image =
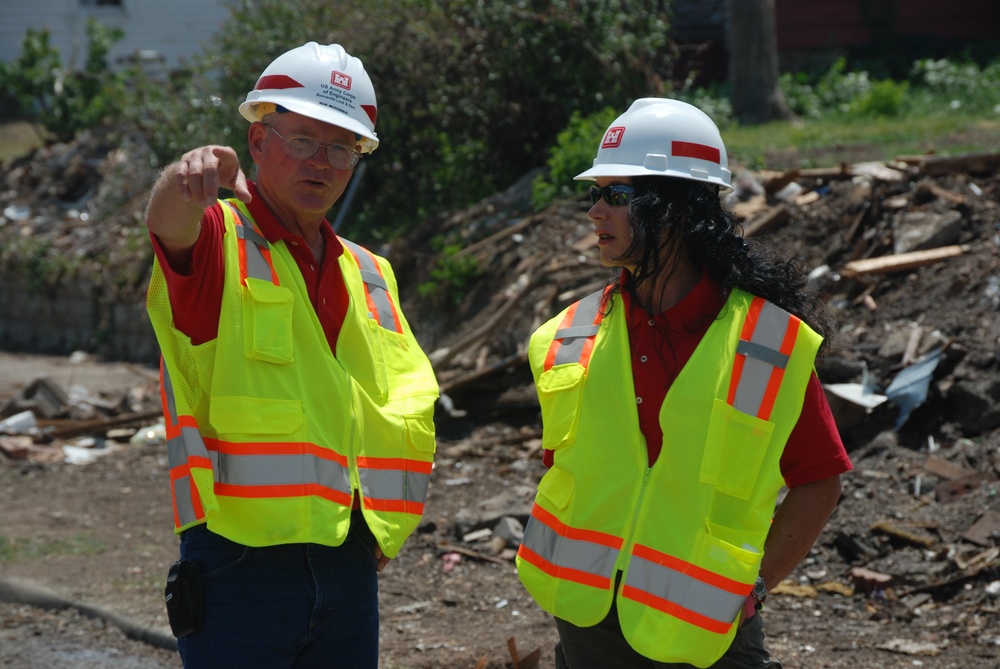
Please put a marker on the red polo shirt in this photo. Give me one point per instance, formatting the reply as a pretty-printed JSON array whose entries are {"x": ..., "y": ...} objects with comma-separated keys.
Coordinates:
[{"x": 661, "y": 345}]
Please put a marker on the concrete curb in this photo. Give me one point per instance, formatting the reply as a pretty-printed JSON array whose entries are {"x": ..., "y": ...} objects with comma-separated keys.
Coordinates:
[{"x": 20, "y": 591}]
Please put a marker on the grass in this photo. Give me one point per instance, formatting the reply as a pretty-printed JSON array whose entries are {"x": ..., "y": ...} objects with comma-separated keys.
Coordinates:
[
  {"x": 19, "y": 138},
  {"x": 34, "y": 548},
  {"x": 830, "y": 141}
]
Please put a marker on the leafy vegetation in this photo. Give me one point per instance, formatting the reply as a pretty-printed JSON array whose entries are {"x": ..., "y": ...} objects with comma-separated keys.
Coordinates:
[
  {"x": 37, "y": 86},
  {"x": 452, "y": 274},
  {"x": 12, "y": 550},
  {"x": 940, "y": 105}
]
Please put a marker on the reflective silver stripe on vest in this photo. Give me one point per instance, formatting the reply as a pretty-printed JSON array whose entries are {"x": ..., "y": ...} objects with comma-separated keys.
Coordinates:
[
  {"x": 581, "y": 328},
  {"x": 763, "y": 354},
  {"x": 257, "y": 266},
  {"x": 393, "y": 484},
  {"x": 279, "y": 470},
  {"x": 188, "y": 443},
  {"x": 685, "y": 591},
  {"x": 375, "y": 285},
  {"x": 581, "y": 555}
]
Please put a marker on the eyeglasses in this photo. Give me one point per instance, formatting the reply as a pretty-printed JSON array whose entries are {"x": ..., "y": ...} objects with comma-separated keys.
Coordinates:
[
  {"x": 616, "y": 195},
  {"x": 340, "y": 156}
]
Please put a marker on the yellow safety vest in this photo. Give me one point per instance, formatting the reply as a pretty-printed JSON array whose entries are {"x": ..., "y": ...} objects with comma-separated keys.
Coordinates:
[
  {"x": 687, "y": 533},
  {"x": 269, "y": 432}
]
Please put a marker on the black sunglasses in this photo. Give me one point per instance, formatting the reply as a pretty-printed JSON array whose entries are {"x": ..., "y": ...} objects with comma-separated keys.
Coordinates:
[{"x": 616, "y": 195}]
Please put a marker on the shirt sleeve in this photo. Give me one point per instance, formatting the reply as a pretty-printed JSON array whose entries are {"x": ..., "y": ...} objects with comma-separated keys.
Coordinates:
[
  {"x": 195, "y": 286},
  {"x": 814, "y": 450}
]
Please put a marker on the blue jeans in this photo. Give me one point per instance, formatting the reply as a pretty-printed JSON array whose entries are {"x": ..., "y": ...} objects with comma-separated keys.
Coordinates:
[{"x": 293, "y": 606}]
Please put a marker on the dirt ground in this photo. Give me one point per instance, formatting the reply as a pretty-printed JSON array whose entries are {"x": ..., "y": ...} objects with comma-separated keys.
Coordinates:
[{"x": 906, "y": 574}]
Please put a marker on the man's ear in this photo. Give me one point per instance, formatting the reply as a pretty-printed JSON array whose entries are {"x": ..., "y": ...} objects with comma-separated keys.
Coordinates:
[{"x": 256, "y": 134}]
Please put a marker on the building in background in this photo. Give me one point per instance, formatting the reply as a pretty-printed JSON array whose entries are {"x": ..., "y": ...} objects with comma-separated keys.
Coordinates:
[{"x": 158, "y": 33}]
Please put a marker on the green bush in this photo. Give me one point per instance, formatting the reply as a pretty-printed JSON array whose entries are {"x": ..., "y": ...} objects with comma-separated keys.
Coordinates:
[
  {"x": 933, "y": 86},
  {"x": 36, "y": 85},
  {"x": 451, "y": 276},
  {"x": 950, "y": 85},
  {"x": 884, "y": 99}
]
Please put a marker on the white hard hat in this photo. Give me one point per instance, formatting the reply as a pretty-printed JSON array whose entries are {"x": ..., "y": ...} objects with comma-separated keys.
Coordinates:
[
  {"x": 662, "y": 137},
  {"x": 322, "y": 82}
]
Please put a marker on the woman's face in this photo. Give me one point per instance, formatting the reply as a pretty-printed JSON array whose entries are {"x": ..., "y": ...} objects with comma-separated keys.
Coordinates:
[{"x": 614, "y": 234}]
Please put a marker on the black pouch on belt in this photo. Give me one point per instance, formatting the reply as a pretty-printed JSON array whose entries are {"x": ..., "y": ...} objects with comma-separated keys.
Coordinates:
[{"x": 182, "y": 596}]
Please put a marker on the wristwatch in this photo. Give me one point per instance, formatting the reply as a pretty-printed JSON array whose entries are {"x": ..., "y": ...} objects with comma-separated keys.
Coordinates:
[{"x": 759, "y": 592}]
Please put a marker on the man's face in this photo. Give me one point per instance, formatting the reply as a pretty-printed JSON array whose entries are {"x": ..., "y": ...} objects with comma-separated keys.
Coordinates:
[{"x": 304, "y": 188}]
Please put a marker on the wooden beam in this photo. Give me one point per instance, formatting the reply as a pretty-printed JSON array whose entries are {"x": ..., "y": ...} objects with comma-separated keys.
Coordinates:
[{"x": 901, "y": 261}]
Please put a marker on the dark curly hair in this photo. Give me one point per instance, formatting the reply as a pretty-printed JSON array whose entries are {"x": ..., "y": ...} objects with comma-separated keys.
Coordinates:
[{"x": 671, "y": 216}]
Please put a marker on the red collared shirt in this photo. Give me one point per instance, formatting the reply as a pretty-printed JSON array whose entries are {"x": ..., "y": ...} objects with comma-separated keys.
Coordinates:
[{"x": 661, "y": 345}]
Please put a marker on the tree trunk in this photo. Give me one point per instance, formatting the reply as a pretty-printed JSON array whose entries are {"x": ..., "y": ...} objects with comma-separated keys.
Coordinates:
[{"x": 753, "y": 63}]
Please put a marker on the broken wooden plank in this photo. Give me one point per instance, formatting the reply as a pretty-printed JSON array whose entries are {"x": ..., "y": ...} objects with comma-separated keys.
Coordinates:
[
  {"x": 938, "y": 466},
  {"x": 975, "y": 163},
  {"x": 984, "y": 529},
  {"x": 497, "y": 236},
  {"x": 896, "y": 532},
  {"x": 101, "y": 424},
  {"x": 901, "y": 261},
  {"x": 843, "y": 171},
  {"x": 931, "y": 190}
]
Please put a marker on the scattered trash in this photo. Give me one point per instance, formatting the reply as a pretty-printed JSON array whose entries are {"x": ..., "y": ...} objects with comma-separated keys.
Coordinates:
[
  {"x": 909, "y": 647},
  {"x": 909, "y": 389},
  {"x": 20, "y": 423}
]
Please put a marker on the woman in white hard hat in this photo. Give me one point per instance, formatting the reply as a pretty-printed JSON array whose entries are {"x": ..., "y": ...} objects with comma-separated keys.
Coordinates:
[
  {"x": 298, "y": 465},
  {"x": 676, "y": 404}
]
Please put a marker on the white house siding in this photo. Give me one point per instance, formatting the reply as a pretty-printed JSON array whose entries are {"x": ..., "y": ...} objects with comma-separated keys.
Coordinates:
[{"x": 174, "y": 29}]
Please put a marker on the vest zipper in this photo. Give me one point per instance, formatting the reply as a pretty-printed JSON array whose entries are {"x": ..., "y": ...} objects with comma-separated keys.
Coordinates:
[{"x": 626, "y": 550}]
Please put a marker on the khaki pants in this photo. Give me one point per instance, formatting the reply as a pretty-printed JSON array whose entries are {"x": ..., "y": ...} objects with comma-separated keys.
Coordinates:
[{"x": 604, "y": 647}]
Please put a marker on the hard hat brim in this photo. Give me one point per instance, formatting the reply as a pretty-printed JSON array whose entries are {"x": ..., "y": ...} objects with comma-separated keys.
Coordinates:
[
  {"x": 620, "y": 170},
  {"x": 369, "y": 140}
]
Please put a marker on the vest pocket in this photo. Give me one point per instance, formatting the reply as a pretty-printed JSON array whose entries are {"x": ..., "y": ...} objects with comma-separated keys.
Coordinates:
[
  {"x": 252, "y": 415},
  {"x": 557, "y": 487},
  {"x": 735, "y": 449},
  {"x": 420, "y": 434},
  {"x": 267, "y": 322},
  {"x": 719, "y": 553},
  {"x": 560, "y": 391}
]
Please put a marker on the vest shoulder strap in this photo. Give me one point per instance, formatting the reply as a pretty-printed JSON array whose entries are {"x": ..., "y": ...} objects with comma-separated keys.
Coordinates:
[
  {"x": 255, "y": 256},
  {"x": 381, "y": 305},
  {"x": 574, "y": 339}
]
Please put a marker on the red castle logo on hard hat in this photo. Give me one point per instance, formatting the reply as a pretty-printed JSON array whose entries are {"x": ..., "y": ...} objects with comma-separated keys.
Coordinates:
[
  {"x": 613, "y": 137},
  {"x": 340, "y": 79}
]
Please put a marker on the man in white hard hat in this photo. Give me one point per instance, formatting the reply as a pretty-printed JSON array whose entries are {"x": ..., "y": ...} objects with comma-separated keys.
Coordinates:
[
  {"x": 676, "y": 403},
  {"x": 298, "y": 404}
]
